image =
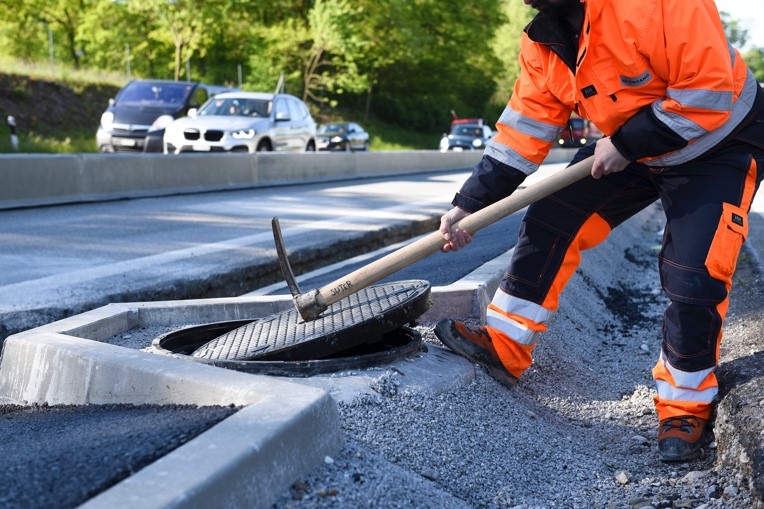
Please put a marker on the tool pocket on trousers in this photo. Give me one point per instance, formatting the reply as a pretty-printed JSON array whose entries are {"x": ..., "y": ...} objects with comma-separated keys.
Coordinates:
[{"x": 728, "y": 239}]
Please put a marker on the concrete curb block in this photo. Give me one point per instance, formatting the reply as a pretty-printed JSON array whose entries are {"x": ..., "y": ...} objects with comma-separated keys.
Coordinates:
[{"x": 246, "y": 461}]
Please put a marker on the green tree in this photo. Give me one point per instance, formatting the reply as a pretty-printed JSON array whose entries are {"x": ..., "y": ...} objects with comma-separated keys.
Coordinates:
[
  {"x": 444, "y": 62},
  {"x": 736, "y": 34},
  {"x": 755, "y": 60},
  {"x": 64, "y": 17},
  {"x": 506, "y": 45},
  {"x": 183, "y": 23},
  {"x": 334, "y": 45}
]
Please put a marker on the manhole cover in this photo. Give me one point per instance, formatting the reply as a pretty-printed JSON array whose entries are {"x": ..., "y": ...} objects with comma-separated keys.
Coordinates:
[
  {"x": 363, "y": 317},
  {"x": 395, "y": 345}
]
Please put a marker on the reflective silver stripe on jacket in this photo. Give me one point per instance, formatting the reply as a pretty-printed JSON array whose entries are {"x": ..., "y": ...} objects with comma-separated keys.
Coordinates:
[
  {"x": 506, "y": 155},
  {"x": 704, "y": 140},
  {"x": 706, "y": 99},
  {"x": 529, "y": 126}
]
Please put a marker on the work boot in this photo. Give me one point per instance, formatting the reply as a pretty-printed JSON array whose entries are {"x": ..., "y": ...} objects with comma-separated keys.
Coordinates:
[
  {"x": 475, "y": 345},
  {"x": 680, "y": 438}
]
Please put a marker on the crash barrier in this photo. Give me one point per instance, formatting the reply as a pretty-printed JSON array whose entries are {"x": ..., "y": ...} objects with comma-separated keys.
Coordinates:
[{"x": 29, "y": 180}]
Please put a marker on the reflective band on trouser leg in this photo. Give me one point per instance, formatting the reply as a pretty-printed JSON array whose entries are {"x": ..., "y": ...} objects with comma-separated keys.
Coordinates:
[
  {"x": 512, "y": 323},
  {"x": 683, "y": 393}
]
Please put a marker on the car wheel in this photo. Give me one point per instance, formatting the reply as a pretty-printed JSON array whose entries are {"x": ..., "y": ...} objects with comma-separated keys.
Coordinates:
[
  {"x": 264, "y": 146},
  {"x": 311, "y": 147},
  {"x": 366, "y": 145},
  {"x": 347, "y": 147}
]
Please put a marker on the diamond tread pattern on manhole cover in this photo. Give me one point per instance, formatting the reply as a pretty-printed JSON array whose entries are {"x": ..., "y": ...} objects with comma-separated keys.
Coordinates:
[{"x": 345, "y": 323}]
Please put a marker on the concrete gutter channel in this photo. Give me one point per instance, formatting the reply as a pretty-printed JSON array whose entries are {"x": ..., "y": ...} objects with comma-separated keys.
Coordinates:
[{"x": 285, "y": 427}]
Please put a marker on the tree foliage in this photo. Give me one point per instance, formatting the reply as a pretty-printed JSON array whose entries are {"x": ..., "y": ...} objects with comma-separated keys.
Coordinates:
[{"x": 408, "y": 62}]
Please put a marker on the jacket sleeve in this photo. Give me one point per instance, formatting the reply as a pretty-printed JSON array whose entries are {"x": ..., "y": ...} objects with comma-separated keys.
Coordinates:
[
  {"x": 490, "y": 182},
  {"x": 534, "y": 118},
  {"x": 530, "y": 124},
  {"x": 699, "y": 65}
]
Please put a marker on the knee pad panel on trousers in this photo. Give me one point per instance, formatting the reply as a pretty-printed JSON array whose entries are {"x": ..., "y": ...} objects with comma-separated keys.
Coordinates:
[
  {"x": 538, "y": 255},
  {"x": 690, "y": 336},
  {"x": 691, "y": 285}
]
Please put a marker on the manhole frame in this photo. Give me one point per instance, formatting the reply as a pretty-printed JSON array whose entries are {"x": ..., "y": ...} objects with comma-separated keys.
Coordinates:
[{"x": 408, "y": 347}]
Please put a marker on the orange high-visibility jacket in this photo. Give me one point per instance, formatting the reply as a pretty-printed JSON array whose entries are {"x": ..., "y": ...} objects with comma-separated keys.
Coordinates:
[{"x": 657, "y": 76}]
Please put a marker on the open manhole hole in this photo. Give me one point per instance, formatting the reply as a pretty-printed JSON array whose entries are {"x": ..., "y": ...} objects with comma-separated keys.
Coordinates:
[{"x": 395, "y": 345}]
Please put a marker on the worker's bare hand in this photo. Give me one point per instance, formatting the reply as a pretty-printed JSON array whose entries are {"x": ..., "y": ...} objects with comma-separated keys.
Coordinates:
[
  {"x": 455, "y": 237},
  {"x": 607, "y": 159}
]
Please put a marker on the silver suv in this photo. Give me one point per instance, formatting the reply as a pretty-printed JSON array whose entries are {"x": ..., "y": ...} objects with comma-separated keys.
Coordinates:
[{"x": 244, "y": 122}]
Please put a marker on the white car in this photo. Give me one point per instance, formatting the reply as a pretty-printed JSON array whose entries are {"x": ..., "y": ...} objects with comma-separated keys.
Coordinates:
[{"x": 244, "y": 122}]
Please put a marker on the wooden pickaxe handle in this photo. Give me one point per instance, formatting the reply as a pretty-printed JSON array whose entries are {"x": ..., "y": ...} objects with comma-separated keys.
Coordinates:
[{"x": 312, "y": 303}]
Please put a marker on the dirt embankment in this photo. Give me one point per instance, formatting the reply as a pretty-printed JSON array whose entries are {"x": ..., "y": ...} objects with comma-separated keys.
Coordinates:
[{"x": 51, "y": 107}]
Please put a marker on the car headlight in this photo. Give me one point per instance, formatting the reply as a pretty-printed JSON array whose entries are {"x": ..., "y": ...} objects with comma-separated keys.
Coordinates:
[
  {"x": 161, "y": 122},
  {"x": 477, "y": 142},
  {"x": 107, "y": 119},
  {"x": 444, "y": 143},
  {"x": 337, "y": 139},
  {"x": 243, "y": 134}
]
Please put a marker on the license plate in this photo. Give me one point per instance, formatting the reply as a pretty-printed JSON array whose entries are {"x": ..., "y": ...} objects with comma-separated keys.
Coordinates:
[
  {"x": 126, "y": 142},
  {"x": 201, "y": 148}
]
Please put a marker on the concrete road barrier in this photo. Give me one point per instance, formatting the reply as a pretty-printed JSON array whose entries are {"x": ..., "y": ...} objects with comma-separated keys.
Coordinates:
[{"x": 30, "y": 180}]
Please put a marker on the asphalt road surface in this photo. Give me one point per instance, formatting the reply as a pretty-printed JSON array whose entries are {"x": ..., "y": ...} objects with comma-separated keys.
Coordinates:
[{"x": 60, "y": 261}]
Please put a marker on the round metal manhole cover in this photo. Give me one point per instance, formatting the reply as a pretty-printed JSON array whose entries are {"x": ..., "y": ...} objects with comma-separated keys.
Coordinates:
[
  {"x": 361, "y": 318},
  {"x": 395, "y": 345}
]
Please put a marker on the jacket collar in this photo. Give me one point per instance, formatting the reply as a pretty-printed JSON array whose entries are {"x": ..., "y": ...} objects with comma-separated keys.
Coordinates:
[{"x": 558, "y": 36}]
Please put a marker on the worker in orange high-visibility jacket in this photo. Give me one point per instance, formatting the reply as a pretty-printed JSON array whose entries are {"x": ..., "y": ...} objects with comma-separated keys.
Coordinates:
[{"x": 683, "y": 123}]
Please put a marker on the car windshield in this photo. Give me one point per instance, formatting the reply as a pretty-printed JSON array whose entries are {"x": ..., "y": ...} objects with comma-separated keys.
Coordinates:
[
  {"x": 331, "y": 129},
  {"x": 236, "y": 107},
  {"x": 467, "y": 130},
  {"x": 141, "y": 93}
]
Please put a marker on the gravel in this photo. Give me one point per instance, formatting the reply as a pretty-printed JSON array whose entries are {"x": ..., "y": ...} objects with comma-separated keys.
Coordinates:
[{"x": 578, "y": 431}]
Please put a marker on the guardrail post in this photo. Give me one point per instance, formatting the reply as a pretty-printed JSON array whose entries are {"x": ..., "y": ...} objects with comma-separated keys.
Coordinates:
[{"x": 12, "y": 128}]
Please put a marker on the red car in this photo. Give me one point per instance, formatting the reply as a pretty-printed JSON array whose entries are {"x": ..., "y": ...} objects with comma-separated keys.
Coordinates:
[{"x": 575, "y": 133}]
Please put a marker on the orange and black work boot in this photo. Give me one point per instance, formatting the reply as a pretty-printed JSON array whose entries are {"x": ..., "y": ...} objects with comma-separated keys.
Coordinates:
[
  {"x": 476, "y": 345},
  {"x": 680, "y": 438}
]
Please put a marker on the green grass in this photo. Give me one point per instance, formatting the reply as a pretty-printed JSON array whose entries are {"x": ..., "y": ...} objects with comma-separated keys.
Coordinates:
[
  {"x": 75, "y": 143},
  {"x": 387, "y": 137},
  {"x": 62, "y": 74}
]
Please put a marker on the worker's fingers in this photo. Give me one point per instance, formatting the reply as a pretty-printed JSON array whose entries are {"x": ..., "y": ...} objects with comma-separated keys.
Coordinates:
[
  {"x": 459, "y": 239},
  {"x": 455, "y": 237},
  {"x": 607, "y": 159}
]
